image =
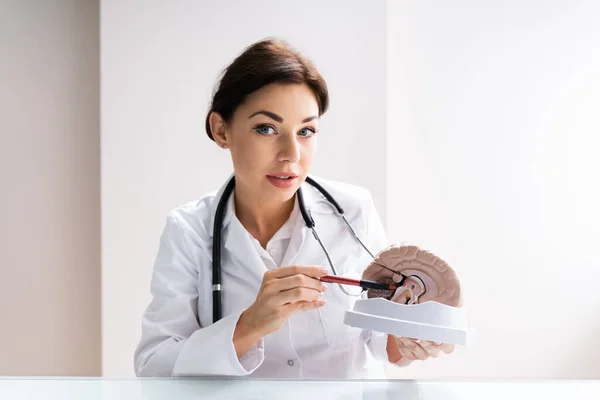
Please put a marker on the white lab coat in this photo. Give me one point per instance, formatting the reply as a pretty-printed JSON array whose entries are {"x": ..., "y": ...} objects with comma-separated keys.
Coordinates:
[{"x": 178, "y": 334}]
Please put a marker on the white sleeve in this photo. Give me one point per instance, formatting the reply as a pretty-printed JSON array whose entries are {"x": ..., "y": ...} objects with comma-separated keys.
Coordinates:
[
  {"x": 375, "y": 239},
  {"x": 173, "y": 342}
]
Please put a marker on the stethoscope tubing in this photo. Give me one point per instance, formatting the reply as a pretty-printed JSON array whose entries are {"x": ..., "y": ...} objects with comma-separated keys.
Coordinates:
[{"x": 308, "y": 220}]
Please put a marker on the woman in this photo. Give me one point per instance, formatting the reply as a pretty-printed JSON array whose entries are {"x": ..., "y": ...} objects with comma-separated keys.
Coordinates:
[{"x": 279, "y": 320}]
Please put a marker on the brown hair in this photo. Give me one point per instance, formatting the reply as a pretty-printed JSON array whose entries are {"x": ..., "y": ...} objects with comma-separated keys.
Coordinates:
[{"x": 267, "y": 61}]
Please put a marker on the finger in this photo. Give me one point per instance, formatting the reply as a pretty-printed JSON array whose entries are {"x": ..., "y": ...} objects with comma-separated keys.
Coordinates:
[
  {"x": 295, "y": 295},
  {"x": 407, "y": 354},
  {"x": 447, "y": 348},
  {"x": 297, "y": 281},
  {"x": 308, "y": 270},
  {"x": 434, "y": 352},
  {"x": 431, "y": 348},
  {"x": 406, "y": 342},
  {"x": 426, "y": 344},
  {"x": 412, "y": 345},
  {"x": 420, "y": 352},
  {"x": 304, "y": 306}
]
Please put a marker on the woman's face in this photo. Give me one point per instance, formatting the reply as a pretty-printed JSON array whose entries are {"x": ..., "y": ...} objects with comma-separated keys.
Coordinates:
[{"x": 272, "y": 135}]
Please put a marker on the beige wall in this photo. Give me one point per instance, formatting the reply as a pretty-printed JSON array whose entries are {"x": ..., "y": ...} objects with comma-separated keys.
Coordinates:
[{"x": 50, "y": 188}]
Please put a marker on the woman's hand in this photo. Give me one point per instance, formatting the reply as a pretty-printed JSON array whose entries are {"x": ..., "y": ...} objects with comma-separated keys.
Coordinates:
[
  {"x": 415, "y": 349},
  {"x": 284, "y": 292}
]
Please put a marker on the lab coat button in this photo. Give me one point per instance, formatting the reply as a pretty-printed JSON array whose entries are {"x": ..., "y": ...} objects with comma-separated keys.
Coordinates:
[
  {"x": 273, "y": 252},
  {"x": 290, "y": 362}
]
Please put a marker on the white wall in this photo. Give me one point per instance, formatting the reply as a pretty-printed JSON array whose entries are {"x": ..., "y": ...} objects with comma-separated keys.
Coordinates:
[
  {"x": 160, "y": 61},
  {"x": 493, "y": 163},
  {"x": 50, "y": 196},
  {"x": 488, "y": 115}
]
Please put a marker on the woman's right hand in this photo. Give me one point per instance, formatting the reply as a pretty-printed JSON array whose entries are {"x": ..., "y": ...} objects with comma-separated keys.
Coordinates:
[{"x": 284, "y": 292}]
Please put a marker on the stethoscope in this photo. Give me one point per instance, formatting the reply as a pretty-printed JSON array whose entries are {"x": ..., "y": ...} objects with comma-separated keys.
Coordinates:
[{"x": 308, "y": 220}]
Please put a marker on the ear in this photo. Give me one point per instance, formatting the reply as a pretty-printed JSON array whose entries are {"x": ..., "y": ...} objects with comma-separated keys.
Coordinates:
[{"x": 218, "y": 128}]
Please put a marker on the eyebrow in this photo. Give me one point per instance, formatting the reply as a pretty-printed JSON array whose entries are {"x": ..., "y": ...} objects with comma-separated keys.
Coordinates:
[{"x": 278, "y": 118}]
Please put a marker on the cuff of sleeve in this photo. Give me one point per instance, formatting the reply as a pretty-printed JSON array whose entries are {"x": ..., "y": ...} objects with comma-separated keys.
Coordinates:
[
  {"x": 254, "y": 357},
  {"x": 210, "y": 351},
  {"x": 378, "y": 346}
]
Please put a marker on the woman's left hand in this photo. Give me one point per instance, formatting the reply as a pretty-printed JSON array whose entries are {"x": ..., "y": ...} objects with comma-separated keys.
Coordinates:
[{"x": 416, "y": 349}]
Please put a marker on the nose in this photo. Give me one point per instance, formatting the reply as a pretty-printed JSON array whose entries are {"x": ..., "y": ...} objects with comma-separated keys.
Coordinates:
[{"x": 289, "y": 149}]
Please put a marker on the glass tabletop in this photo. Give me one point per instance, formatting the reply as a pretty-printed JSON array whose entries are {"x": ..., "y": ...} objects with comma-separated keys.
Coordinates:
[{"x": 175, "y": 389}]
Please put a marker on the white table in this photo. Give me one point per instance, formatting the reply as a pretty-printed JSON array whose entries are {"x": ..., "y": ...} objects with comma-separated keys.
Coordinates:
[{"x": 12, "y": 388}]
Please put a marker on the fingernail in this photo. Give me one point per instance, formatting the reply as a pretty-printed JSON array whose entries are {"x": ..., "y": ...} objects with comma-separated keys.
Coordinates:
[
  {"x": 324, "y": 271},
  {"x": 322, "y": 302},
  {"x": 324, "y": 287}
]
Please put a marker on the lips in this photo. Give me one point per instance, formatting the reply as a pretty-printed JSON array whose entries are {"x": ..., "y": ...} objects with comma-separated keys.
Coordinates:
[
  {"x": 282, "y": 180},
  {"x": 283, "y": 175}
]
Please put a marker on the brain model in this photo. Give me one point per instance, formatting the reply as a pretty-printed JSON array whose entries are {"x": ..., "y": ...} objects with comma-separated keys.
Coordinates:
[{"x": 419, "y": 275}]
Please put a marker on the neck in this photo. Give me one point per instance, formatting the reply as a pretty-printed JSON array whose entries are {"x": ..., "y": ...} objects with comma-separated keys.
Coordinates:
[{"x": 261, "y": 219}]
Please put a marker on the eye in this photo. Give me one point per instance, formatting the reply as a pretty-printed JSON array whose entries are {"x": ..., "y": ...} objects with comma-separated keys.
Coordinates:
[
  {"x": 306, "y": 132},
  {"x": 265, "y": 129}
]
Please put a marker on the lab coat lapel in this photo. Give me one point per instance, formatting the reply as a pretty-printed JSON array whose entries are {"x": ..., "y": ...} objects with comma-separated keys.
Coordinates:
[
  {"x": 239, "y": 249},
  {"x": 245, "y": 259},
  {"x": 301, "y": 249},
  {"x": 296, "y": 242}
]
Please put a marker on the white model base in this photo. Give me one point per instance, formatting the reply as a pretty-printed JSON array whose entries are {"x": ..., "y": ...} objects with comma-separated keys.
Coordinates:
[{"x": 427, "y": 321}]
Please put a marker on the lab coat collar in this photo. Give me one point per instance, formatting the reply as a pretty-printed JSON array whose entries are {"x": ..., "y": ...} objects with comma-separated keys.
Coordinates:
[
  {"x": 238, "y": 242},
  {"x": 314, "y": 201}
]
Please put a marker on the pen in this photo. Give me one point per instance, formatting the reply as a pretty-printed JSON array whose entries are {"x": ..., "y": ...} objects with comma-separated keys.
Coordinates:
[{"x": 355, "y": 282}]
